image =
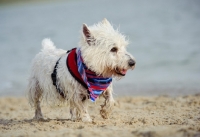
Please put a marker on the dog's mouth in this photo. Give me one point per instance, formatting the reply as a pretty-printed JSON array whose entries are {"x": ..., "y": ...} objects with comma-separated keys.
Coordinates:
[{"x": 121, "y": 72}]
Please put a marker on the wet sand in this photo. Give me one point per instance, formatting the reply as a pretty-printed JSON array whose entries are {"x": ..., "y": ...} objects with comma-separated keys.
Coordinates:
[{"x": 160, "y": 116}]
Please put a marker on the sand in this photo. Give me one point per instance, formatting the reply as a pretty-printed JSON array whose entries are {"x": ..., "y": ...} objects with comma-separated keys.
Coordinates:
[{"x": 161, "y": 116}]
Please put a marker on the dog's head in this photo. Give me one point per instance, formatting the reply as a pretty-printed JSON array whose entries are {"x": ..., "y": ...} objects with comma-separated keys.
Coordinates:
[{"x": 104, "y": 50}]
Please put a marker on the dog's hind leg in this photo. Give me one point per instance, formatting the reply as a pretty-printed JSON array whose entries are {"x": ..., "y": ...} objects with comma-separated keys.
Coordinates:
[
  {"x": 107, "y": 107},
  {"x": 38, "y": 95},
  {"x": 35, "y": 95}
]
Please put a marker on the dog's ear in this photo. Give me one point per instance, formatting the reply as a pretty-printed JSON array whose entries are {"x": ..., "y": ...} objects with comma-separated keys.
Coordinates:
[
  {"x": 88, "y": 36},
  {"x": 105, "y": 21}
]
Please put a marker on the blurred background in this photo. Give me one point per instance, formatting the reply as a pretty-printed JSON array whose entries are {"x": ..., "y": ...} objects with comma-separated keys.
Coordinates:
[{"x": 164, "y": 38}]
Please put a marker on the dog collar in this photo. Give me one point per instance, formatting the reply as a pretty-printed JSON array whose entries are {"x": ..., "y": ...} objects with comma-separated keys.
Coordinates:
[{"x": 95, "y": 84}]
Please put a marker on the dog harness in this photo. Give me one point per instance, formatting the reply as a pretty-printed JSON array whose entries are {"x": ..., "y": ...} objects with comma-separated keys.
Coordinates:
[
  {"x": 95, "y": 84},
  {"x": 54, "y": 79}
]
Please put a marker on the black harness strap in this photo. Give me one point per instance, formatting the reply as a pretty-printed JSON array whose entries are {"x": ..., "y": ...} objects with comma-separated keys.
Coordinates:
[
  {"x": 54, "y": 74},
  {"x": 54, "y": 79}
]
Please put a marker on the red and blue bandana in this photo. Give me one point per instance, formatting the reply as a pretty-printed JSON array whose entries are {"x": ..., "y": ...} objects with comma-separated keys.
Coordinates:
[{"x": 95, "y": 84}]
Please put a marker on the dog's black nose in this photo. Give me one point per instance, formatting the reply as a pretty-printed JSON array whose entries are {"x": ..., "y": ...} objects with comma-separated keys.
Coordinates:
[{"x": 131, "y": 62}]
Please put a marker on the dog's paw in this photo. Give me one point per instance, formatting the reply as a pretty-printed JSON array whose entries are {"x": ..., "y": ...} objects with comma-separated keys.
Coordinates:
[
  {"x": 38, "y": 118},
  {"x": 107, "y": 108},
  {"x": 104, "y": 113}
]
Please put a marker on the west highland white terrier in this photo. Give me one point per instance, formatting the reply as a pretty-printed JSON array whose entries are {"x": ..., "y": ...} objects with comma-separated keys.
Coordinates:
[{"x": 81, "y": 74}]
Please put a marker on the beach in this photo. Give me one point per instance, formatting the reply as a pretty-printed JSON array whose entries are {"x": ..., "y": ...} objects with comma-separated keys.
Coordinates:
[
  {"x": 159, "y": 98},
  {"x": 158, "y": 116}
]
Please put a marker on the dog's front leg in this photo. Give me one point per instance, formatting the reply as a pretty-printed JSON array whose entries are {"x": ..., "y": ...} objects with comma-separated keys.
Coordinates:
[
  {"x": 107, "y": 107},
  {"x": 78, "y": 108},
  {"x": 73, "y": 111},
  {"x": 84, "y": 112}
]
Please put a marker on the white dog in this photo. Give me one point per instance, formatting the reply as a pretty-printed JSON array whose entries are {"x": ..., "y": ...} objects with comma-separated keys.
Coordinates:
[{"x": 82, "y": 73}]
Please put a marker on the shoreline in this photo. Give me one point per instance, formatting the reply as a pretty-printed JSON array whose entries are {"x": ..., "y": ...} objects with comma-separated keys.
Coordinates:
[
  {"x": 127, "y": 89},
  {"x": 156, "y": 116}
]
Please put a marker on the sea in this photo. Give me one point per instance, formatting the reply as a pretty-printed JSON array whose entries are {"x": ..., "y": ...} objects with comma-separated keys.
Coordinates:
[{"x": 164, "y": 38}]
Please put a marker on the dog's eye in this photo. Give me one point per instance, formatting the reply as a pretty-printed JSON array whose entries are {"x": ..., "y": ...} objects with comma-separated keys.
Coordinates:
[{"x": 114, "y": 49}]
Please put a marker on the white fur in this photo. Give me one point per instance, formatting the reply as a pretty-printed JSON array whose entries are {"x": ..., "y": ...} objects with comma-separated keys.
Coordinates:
[{"x": 96, "y": 44}]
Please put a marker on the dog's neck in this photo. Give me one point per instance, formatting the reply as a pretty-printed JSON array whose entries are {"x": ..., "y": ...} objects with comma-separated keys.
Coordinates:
[
  {"x": 95, "y": 84},
  {"x": 93, "y": 64}
]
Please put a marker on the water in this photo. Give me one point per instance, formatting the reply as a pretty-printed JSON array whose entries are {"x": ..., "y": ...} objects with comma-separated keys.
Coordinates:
[{"x": 164, "y": 36}]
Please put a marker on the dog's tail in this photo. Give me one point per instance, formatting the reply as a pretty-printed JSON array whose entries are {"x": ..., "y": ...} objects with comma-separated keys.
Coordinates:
[{"x": 47, "y": 44}]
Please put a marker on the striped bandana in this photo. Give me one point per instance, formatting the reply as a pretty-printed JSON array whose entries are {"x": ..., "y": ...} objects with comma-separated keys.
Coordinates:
[{"x": 96, "y": 84}]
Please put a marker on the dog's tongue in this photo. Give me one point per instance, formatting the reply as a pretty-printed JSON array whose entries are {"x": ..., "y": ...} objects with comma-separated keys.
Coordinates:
[{"x": 123, "y": 71}]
